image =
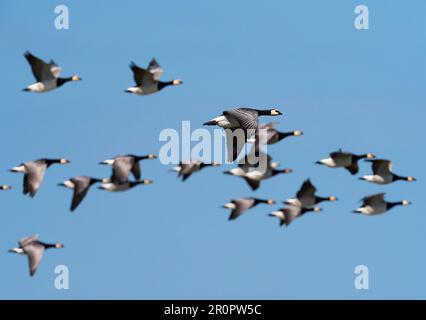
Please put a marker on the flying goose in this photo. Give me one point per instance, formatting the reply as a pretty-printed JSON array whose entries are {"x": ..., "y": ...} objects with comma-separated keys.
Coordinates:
[
  {"x": 245, "y": 119},
  {"x": 347, "y": 160},
  {"x": 148, "y": 80},
  {"x": 239, "y": 206},
  {"x": 376, "y": 204},
  {"x": 306, "y": 198},
  {"x": 46, "y": 74},
  {"x": 382, "y": 173},
  {"x": 5, "y": 187},
  {"x": 34, "y": 172},
  {"x": 253, "y": 172},
  {"x": 186, "y": 169},
  {"x": 80, "y": 185},
  {"x": 268, "y": 134},
  {"x": 34, "y": 249},
  {"x": 287, "y": 215},
  {"x": 123, "y": 165},
  {"x": 116, "y": 187}
]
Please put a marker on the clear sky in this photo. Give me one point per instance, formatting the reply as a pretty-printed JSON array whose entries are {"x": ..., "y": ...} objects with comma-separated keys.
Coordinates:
[{"x": 363, "y": 91}]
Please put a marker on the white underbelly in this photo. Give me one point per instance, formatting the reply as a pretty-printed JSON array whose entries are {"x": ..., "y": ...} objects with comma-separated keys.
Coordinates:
[{"x": 43, "y": 86}]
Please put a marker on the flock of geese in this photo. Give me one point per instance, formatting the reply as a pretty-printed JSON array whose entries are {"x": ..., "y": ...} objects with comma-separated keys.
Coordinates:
[{"x": 254, "y": 167}]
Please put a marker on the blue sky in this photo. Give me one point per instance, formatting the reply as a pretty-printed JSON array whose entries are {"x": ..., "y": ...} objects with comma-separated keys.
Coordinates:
[{"x": 359, "y": 90}]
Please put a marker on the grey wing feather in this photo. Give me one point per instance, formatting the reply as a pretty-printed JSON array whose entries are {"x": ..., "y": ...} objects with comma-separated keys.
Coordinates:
[
  {"x": 34, "y": 251},
  {"x": 155, "y": 69},
  {"x": 120, "y": 170},
  {"x": 247, "y": 118},
  {"x": 27, "y": 240},
  {"x": 242, "y": 205},
  {"x": 42, "y": 71},
  {"x": 34, "y": 177},
  {"x": 307, "y": 190},
  {"x": 375, "y": 198},
  {"x": 381, "y": 166},
  {"x": 81, "y": 187},
  {"x": 136, "y": 170},
  {"x": 141, "y": 76}
]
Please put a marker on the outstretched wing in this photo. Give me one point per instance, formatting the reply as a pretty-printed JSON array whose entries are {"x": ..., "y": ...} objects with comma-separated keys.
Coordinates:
[
  {"x": 42, "y": 71},
  {"x": 241, "y": 206},
  {"x": 373, "y": 199},
  {"x": 306, "y": 190},
  {"x": 353, "y": 168},
  {"x": 155, "y": 69},
  {"x": 34, "y": 251},
  {"x": 81, "y": 187},
  {"x": 120, "y": 170},
  {"x": 141, "y": 76},
  {"x": 381, "y": 167}
]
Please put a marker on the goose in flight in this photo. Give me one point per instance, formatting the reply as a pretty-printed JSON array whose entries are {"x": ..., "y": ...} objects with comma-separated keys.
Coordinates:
[
  {"x": 122, "y": 166},
  {"x": 376, "y": 204},
  {"x": 80, "y": 185},
  {"x": 148, "y": 80},
  {"x": 46, "y": 75},
  {"x": 253, "y": 172},
  {"x": 306, "y": 198},
  {"x": 382, "y": 173},
  {"x": 347, "y": 160},
  {"x": 240, "y": 125},
  {"x": 34, "y": 249},
  {"x": 239, "y": 206},
  {"x": 34, "y": 173},
  {"x": 5, "y": 187},
  {"x": 110, "y": 185},
  {"x": 186, "y": 169},
  {"x": 287, "y": 215}
]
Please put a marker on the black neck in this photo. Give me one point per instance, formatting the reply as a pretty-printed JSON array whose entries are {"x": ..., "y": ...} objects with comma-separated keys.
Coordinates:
[
  {"x": 139, "y": 158},
  {"x": 264, "y": 112},
  {"x": 94, "y": 180},
  {"x": 257, "y": 201},
  {"x": 357, "y": 157},
  {"x": 48, "y": 245},
  {"x": 162, "y": 84},
  {"x": 396, "y": 178},
  {"x": 275, "y": 172},
  {"x": 203, "y": 165},
  {"x": 61, "y": 81},
  {"x": 49, "y": 162},
  {"x": 282, "y": 135},
  {"x": 390, "y": 205},
  {"x": 319, "y": 199}
]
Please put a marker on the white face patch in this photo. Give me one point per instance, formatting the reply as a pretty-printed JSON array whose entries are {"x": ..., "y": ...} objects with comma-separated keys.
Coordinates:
[{"x": 406, "y": 202}]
